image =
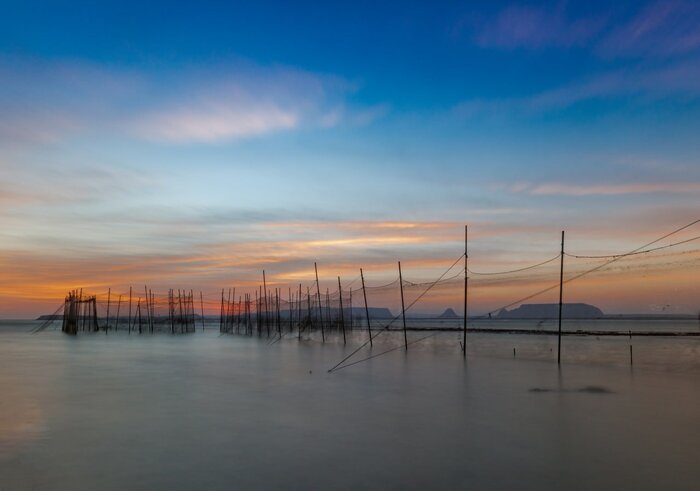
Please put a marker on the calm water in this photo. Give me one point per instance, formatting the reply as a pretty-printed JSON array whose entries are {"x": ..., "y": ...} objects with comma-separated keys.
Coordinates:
[{"x": 205, "y": 411}]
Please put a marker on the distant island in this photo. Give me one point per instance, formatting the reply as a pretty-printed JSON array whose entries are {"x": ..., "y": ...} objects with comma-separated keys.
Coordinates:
[
  {"x": 449, "y": 313},
  {"x": 551, "y": 311}
]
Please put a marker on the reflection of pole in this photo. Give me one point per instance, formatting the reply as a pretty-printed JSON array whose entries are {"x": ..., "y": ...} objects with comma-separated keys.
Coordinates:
[
  {"x": 630, "y": 347},
  {"x": 403, "y": 310},
  {"x": 320, "y": 309},
  {"x": 342, "y": 318},
  {"x": 364, "y": 292},
  {"x": 561, "y": 291}
]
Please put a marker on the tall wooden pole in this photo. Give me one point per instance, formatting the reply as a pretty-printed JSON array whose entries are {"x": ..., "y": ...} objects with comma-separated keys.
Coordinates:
[
  {"x": 403, "y": 310},
  {"x": 201, "y": 304},
  {"x": 308, "y": 304},
  {"x": 350, "y": 305},
  {"x": 119, "y": 306},
  {"x": 464, "y": 330},
  {"x": 129, "y": 310},
  {"x": 229, "y": 310},
  {"x": 342, "y": 317},
  {"x": 109, "y": 295},
  {"x": 278, "y": 295},
  {"x": 299, "y": 313},
  {"x": 221, "y": 312},
  {"x": 561, "y": 291},
  {"x": 364, "y": 292},
  {"x": 320, "y": 308},
  {"x": 148, "y": 311},
  {"x": 171, "y": 313},
  {"x": 290, "y": 307},
  {"x": 266, "y": 306}
]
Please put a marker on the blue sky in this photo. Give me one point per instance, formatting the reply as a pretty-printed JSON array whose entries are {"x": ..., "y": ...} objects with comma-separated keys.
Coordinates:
[{"x": 349, "y": 133}]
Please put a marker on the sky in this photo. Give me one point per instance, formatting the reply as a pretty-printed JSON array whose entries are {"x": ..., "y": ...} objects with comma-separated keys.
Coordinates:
[{"x": 194, "y": 145}]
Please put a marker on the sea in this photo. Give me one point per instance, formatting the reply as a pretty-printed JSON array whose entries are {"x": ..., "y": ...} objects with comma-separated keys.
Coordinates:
[{"x": 213, "y": 411}]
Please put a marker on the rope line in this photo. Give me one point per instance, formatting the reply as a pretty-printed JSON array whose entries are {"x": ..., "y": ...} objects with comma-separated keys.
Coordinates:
[
  {"x": 577, "y": 256},
  {"x": 372, "y": 337},
  {"x": 515, "y": 270}
]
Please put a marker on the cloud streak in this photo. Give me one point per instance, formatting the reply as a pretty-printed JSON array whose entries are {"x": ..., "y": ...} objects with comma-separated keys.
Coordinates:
[
  {"x": 674, "y": 80},
  {"x": 564, "y": 189},
  {"x": 189, "y": 105},
  {"x": 519, "y": 26},
  {"x": 668, "y": 27},
  {"x": 214, "y": 123}
]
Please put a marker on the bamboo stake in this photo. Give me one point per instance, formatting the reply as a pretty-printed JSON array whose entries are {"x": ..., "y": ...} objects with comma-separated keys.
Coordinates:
[
  {"x": 561, "y": 290},
  {"x": 129, "y": 310},
  {"x": 403, "y": 310},
  {"x": 109, "y": 298},
  {"x": 342, "y": 317},
  {"x": 466, "y": 280},
  {"x": 119, "y": 305},
  {"x": 364, "y": 293},
  {"x": 320, "y": 309}
]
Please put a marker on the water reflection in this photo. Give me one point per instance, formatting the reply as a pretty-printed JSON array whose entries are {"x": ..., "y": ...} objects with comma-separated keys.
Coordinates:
[{"x": 210, "y": 412}]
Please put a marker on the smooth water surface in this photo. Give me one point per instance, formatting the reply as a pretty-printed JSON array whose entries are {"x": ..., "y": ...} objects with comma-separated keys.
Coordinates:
[{"x": 205, "y": 411}]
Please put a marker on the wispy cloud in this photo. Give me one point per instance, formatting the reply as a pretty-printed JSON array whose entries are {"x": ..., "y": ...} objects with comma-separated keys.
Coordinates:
[
  {"x": 519, "y": 26},
  {"x": 214, "y": 122},
  {"x": 45, "y": 102},
  {"x": 663, "y": 27},
  {"x": 606, "y": 189},
  {"x": 646, "y": 83},
  {"x": 660, "y": 27}
]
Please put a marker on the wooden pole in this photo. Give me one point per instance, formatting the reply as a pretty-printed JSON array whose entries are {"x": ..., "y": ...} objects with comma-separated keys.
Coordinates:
[
  {"x": 561, "y": 292},
  {"x": 227, "y": 323},
  {"x": 148, "y": 311},
  {"x": 238, "y": 317},
  {"x": 266, "y": 305},
  {"x": 221, "y": 312},
  {"x": 290, "y": 307},
  {"x": 340, "y": 308},
  {"x": 278, "y": 295},
  {"x": 193, "y": 309},
  {"x": 129, "y": 310},
  {"x": 299, "y": 312},
  {"x": 109, "y": 298},
  {"x": 308, "y": 305},
  {"x": 464, "y": 329},
  {"x": 96, "y": 327},
  {"x": 119, "y": 305},
  {"x": 403, "y": 310},
  {"x": 320, "y": 309},
  {"x": 350, "y": 305},
  {"x": 364, "y": 293}
]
